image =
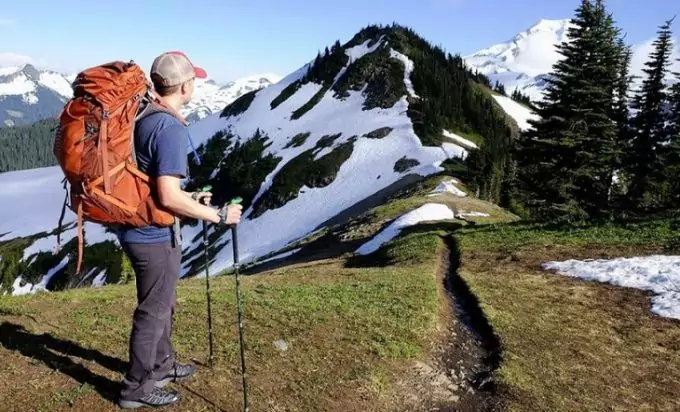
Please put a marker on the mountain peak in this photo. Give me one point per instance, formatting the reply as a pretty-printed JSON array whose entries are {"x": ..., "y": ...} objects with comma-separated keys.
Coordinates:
[
  {"x": 31, "y": 72},
  {"x": 550, "y": 24},
  {"x": 524, "y": 60}
]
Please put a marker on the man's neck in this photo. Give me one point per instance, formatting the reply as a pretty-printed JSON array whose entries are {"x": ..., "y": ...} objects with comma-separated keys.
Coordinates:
[{"x": 172, "y": 101}]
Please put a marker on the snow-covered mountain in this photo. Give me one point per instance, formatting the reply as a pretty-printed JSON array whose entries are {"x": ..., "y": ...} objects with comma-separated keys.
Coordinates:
[
  {"x": 28, "y": 94},
  {"x": 525, "y": 60},
  {"x": 210, "y": 97},
  {"x": 300, "y": 152}
]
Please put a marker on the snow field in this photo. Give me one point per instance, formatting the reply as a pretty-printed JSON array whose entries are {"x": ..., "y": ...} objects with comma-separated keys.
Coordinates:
[{"x": 659, "y": 274}]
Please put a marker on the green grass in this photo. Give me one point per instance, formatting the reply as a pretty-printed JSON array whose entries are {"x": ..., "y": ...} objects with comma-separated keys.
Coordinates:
[
  {"x": 646, "y": 232},
  {"x": 568, "y": 344},
  {"x": 353, "y": 325},
  {"x": 349, "y": 330}
]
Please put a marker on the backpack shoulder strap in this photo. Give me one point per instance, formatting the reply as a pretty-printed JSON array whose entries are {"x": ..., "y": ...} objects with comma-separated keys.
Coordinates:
[{"x": 152, "y": 104}]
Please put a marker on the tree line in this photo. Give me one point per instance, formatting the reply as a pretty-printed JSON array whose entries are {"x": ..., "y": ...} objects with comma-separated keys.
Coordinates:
[
  {"x": 600, "y": 147},
  {"x": 27, "y": 146}
]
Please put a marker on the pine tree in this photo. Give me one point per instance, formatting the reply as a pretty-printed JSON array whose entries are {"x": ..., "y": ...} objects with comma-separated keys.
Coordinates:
[
  {"x": 522, "y": 98},
  {"x": 672, "y": 160},
  {"x": 645, "y": 157},
  {"x": 566, "y": 160},
  {"x": 499, "y": 88},
  {"x": 621, "y": 114}
]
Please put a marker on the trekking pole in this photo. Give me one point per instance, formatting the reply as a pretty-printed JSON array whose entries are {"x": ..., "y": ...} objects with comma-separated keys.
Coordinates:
[
  {"x": 211, "y": 358},
  {"x": 234, "y": 240}
]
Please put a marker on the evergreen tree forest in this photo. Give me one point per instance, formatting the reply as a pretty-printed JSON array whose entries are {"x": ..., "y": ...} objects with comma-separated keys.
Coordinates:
[
  {"x": 27, "y": 146},
  {"x": 606, "y": 145},
  {"x": 520, "y": 97}
]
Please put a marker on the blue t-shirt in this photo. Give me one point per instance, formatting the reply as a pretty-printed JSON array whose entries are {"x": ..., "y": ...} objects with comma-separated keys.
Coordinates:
[{"x": 160, "y": 142}]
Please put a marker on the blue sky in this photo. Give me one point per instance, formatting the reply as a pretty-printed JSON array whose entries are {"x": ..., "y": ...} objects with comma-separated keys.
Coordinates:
[{"x": 233, "y": 38}]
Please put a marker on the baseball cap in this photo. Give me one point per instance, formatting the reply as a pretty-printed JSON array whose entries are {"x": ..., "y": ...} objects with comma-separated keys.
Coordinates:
[{"x": 173, "y": 68}]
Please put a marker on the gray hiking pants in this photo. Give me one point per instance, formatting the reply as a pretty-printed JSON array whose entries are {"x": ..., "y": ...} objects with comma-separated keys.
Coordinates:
[{"x": 157, "y": 270}]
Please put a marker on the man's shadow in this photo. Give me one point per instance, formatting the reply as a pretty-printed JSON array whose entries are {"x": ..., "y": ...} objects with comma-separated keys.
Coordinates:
[{"x": 44, "y": 348}]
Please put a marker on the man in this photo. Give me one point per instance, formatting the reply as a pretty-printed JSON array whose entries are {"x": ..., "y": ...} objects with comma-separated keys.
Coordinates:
[{"x": 155, "y": 252}]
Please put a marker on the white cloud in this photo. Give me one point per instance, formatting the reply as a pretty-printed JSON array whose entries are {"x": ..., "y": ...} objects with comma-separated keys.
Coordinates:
[
  {"x": 13, "y": 59},
  {"x": 641, "y": 52}
]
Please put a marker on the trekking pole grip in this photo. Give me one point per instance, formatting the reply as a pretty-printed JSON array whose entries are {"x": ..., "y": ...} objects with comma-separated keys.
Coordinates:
[{"x": 234, "y": 232}]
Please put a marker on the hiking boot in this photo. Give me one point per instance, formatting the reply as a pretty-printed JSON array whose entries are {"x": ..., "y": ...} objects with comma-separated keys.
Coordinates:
[
  {"x": 156, "y": 399},
  {"x": 178, "y": 373}
]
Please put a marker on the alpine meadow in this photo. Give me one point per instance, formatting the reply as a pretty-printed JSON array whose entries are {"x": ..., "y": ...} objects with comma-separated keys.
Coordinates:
[{"x": 421, "y": 231}]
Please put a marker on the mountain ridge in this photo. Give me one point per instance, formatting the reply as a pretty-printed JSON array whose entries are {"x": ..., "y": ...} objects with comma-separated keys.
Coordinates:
[{"x": 28, "y": 94}]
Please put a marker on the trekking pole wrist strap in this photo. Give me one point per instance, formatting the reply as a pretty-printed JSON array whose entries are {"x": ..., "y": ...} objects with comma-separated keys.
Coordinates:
[{"x": 222, "y": 213}]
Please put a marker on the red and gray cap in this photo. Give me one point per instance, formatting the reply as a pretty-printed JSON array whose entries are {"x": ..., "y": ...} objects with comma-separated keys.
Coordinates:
[{"x": 173, "y": 68}]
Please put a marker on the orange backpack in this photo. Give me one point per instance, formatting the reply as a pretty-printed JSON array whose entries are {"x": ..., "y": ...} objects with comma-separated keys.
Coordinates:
[{"x": 94, "y": 145}]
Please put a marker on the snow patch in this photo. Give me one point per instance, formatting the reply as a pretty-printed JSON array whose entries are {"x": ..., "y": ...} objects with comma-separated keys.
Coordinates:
[
  {"x": 19, "y": 85},
  {"x": 56, "y": 82},
  {"x": 279, "y": 256},
  {"x": 448, "y": 186},
  {"x": 454, "y": 150},
  {"x": 100, "y": 279},
  {"x": 520, "y": 113},
  {"x": 29, "y": 288},
  {"x": 40, "y": 193},
  {"x": 465, "y": 142},
  {"x": 659, "y": 274},
  {"x": 426, "y": 213},
  {"x": 356, "y": 178},
  {"x": 463, "y": 214},
  {"x": 408, "y": 69},
  {"x": 357, "y": 52},
  {"x": 370, "y": 167}
]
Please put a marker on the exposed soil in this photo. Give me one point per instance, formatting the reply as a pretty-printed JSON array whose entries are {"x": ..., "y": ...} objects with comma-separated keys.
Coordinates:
[{"x": 458, "y": 375}]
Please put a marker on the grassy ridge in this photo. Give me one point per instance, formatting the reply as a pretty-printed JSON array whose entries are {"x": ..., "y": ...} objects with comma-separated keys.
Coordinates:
[{"x": 347, "y": 328}]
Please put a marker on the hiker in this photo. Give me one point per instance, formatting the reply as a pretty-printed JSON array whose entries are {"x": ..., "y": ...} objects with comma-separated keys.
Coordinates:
[{"x": 155, "y": 252}]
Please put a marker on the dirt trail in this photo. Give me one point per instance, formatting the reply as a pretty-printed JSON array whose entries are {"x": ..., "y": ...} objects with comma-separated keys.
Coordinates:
[{"x": 459, "y": 375}]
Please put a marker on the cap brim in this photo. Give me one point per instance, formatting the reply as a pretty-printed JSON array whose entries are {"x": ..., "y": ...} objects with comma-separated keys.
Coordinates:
[{"x": 200, "y": 73}]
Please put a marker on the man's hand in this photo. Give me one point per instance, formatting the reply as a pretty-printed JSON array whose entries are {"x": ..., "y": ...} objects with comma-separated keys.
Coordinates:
[
  {"x": 175, "y": 199},
  {"x": 202, "y": 197},
  {"x": 231, "y": 214}
]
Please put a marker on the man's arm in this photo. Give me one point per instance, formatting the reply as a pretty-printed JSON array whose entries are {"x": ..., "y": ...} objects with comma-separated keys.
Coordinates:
[
  {"x": 178, "y": 201},
  {"x": 170, "y": 159}
]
